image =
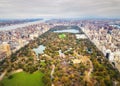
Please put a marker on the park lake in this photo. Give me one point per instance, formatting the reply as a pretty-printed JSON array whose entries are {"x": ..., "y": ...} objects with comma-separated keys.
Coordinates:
[{"x": 67, "y": 31}]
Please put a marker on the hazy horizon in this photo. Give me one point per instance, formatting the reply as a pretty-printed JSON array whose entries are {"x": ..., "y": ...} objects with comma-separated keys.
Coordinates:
[{"x": 59, "y": 9}]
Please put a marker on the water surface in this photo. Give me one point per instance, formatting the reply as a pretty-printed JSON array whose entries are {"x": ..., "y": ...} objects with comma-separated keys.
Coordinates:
[
  {"x": 67, "y": 30},
  {"x": 20, "y": 25}
]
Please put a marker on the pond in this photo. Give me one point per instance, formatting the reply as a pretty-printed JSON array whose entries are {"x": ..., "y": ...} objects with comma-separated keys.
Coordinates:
[
  {"x": 67, "y": 30},
  {"x": 39, "y": 50}
]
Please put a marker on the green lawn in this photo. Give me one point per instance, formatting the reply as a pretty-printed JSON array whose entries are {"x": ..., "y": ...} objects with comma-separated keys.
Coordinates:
[
  {"x": 24, "y": 79},
  {"x": 62, "y": 36}
]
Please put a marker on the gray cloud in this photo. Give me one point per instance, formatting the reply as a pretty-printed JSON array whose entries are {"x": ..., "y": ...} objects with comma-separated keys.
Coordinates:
[{"x": 59, "y": 8}]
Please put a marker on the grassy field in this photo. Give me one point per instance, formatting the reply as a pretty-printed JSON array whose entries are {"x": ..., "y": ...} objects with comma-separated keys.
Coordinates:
[{"x": 24, "y": 79}]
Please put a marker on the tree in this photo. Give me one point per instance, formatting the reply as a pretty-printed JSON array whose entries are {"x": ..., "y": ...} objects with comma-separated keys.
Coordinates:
[{"x": 46, "y": 79}]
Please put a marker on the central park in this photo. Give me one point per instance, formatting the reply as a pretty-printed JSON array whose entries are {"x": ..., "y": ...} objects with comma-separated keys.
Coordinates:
[{"x": 66, "y": 57}]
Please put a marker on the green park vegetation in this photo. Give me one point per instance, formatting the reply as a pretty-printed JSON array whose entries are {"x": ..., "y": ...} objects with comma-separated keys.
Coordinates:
[
  {"x": 62, "y": 36},
  {"x": 24, "y": 79},
  {"x": 59, "y": 69}
]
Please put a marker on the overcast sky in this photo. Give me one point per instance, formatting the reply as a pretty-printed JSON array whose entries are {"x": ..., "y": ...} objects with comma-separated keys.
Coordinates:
[{"x": 59, "y": 8}]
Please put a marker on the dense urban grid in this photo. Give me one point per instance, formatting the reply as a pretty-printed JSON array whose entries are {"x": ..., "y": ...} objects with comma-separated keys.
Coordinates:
[{"x": 13, "y": 40}]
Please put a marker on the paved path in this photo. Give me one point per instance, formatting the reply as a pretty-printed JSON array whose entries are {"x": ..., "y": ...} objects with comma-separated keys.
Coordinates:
[
  {"x": 16, "y": 71},
  {"x": 88, "y": 73},
  {"x": 52, "y": 72},
  {"x": 3, "y": 74}
]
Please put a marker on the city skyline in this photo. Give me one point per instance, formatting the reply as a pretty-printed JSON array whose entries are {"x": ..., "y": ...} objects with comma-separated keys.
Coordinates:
[{"x": 59, "y": 9}]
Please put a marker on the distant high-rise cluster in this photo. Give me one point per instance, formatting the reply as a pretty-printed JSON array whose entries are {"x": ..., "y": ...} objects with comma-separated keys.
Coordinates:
[{"x": 5, "y": 50}]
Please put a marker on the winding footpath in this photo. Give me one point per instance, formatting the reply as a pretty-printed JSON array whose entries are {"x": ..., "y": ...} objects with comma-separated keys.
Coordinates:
[
  {"x": 88, "y": 73},
  {"x": 52, "y": 72},
  {"x": 3, "y": 74}
]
